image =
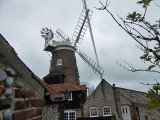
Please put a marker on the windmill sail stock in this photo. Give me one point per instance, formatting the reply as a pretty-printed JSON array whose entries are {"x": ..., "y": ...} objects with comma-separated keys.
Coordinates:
[
  {"x": 79, "y": 32},
  {"x": 90, "y": 29}
]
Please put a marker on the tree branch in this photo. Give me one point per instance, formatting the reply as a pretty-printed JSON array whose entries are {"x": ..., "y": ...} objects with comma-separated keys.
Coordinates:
[{"x": 132, "y": 69}]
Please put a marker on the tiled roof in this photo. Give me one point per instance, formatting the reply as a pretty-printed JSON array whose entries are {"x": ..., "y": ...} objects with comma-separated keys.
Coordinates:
[
  {"x": 49, "y": 89},
  {"x": 56, "y": 89},
  {"x": 83, "y": 87},
  {"x": 67, "y": 86}
]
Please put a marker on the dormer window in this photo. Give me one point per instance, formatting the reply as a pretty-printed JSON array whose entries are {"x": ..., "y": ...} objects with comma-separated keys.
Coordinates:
[
  {"x": 59, "y": 62},
  {"x": 68, "y": 95}
]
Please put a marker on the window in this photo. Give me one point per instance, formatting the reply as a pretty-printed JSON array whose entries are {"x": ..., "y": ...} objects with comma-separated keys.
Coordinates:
[
  {"x": 93, "y": 112},
  {"x": 124, "y": 110},
  {"x": 68, "y": 95},
  {"x": 50, "y": 65},
  {"x": 59, "y": 62},
  {"x": 69, "y": 115},
  {"x": 106, "y": 111}
]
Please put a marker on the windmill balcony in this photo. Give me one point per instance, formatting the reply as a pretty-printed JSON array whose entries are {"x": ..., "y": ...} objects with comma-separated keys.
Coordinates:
[{"x": 50, "y": 45}]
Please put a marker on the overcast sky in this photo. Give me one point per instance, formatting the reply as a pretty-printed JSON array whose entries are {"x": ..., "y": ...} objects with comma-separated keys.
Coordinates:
[{"x": 22, "y": 20}]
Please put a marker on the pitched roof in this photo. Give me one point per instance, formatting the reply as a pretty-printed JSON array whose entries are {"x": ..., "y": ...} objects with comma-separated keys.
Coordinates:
[
  {"x": 55, "y": 89},
  {"x": 83, "y": 87},
  {"x": 49, "y": 89},
  {"x": 67, "y": 86}
]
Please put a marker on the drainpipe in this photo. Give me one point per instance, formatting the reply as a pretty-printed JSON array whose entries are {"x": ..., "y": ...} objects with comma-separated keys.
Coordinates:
[
  {"x": 81, "y": 104},
  {"x": 138, "y": 113},
  {"x": 82, "y": 111},
  {"x": 62, "y": 110},
  {"x": 60, "y": 77}
]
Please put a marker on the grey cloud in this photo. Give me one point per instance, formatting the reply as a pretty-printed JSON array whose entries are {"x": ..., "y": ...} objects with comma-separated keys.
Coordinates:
[{"x": 21, "y": 22}]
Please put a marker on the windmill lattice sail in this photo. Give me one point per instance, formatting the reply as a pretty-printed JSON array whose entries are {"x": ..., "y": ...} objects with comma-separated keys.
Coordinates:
[
  {"x": 95, "y": 67},
  {"x": 61, "y": 36},
  {"x": 62, "y": 41},
  {"x": 90, "y": 30},
  {"x": 81, "y": 26}
]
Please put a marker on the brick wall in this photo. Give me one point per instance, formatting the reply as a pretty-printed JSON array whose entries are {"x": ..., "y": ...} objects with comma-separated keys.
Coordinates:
[
  {"x": 133, "y": 112},
  {"x": 17, "y": 102},
  {"x": 18, "y": 88},
  {"x": 68, "y": 67},
  {"x": 9, "y": 58},
  {"x": 26, "y": 106}
]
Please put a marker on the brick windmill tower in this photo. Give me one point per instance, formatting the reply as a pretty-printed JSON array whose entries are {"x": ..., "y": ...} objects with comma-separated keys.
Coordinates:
[
  {"x": 63, "y": 64},
  {"x": 63, "y": 67}
]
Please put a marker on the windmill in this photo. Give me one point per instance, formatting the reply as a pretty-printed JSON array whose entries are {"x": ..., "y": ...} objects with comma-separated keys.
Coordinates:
[{"x": 63, "y": 48}]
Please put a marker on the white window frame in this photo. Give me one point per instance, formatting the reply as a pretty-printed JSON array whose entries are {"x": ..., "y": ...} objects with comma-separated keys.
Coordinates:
[
  {"x": 106, "y": 113},
  {"x": 93, "y": 109},
  {"x": 68, "y": 114},
  {"x": 68, "y": 96},
  {"x": 59, "y": 62},
  {"x": 50, "y": 65}
]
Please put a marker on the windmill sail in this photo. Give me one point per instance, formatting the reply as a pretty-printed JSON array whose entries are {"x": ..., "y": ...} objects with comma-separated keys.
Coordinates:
[
  {"x": 78, "y": 35},
  {"x": 81, "y": 26},
  {"x": 90, "y": 30},
  {"x": 94, "y": 66},
  {"x": 61, "y": 35}
]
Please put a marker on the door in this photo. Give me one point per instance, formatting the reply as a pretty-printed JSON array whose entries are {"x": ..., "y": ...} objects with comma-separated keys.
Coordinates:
[{"x": 125, "y": 112}]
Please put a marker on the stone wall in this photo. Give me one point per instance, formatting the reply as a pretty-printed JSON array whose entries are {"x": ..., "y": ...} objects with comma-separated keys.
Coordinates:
[
  {"x": 9, "y": 58},
  {"x": 115, "y": 97},
  {"x": 127, "y": 96},
  {"x": 51, "y": 112},
  {"x": 6, "y": 93},
  {"x": 17, "y": 102},
  {"x": 102, "y": 96},
  {"x": 21, "y": 96},
  {"x": 138, "y": 103}
]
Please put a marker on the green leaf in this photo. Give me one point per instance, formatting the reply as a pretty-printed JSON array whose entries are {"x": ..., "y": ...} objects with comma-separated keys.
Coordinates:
[
  {"x": 142, "y": 57},
  {"x": 145, "y": 3},
  {"x": 154, "y": 96},
  {"x": 148, "y": 58},
  {"x": 156, "y": 87},
  {"x": 145, "y": 56},
  {"x": 150, "y": 67},
  {"x": 133, "y": 16}
]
